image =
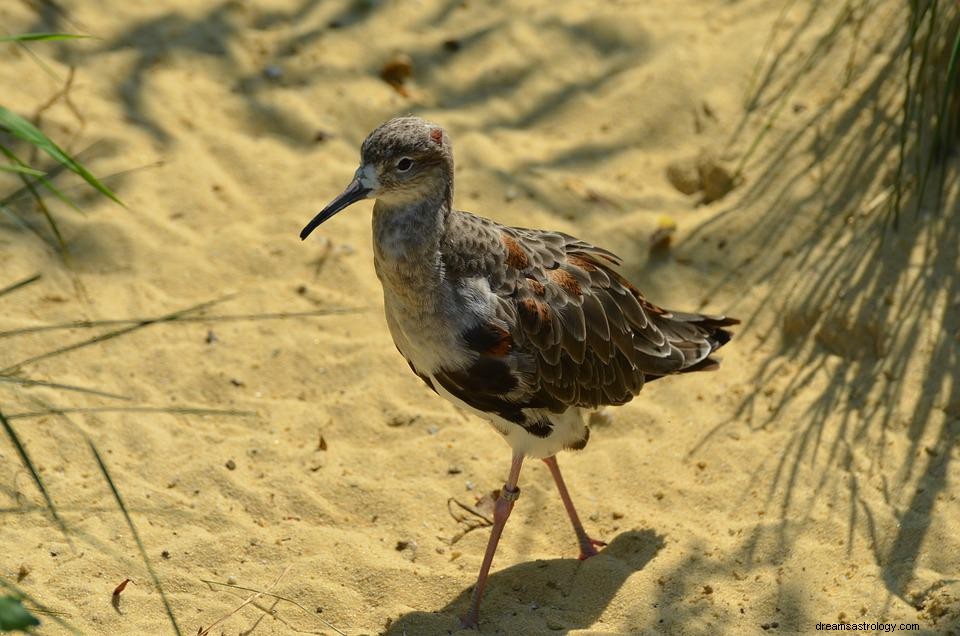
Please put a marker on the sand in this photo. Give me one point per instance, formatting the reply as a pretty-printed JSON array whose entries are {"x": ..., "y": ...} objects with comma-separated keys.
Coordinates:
[{"x": 814, "y": 479}]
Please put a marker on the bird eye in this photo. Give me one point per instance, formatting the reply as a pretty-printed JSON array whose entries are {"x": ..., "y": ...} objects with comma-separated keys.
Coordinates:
[{"x": 404, "y": 164}]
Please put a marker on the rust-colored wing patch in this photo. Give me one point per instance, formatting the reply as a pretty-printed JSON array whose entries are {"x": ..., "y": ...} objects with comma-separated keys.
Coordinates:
[
  {"x": 566, "y": 281},
  {"x": 516, "y": 257}
]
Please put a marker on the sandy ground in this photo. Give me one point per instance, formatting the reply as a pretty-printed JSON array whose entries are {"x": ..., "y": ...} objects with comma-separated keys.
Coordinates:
[{"x": 813, "y": 479}]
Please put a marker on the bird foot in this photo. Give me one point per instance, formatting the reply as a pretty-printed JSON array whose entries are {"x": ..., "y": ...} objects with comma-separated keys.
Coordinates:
[
  {"x": 588, "y": 550},
  {"x": 469, "y": 621}
]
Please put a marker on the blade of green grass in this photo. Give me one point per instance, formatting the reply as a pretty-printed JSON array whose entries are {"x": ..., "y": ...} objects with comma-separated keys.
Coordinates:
[
  {"x": 942, "y": 135},
  {"x": 58, "y": 385},
  {"x": 136, "y": 535},
  {"x": 14, "y": 617},
  {"x": 28, "y": 464},
  {"x": 178, "y": 410},
  {"x": 20, "y": 127},
  {"x": 89, "y": 324},
  {"x": 40, "y": 607},
  {"x": 12, "y": 167},
  {"x": 908, "y": 87},
  {"x": 113, "y": 334},
  {"x": 42, "y": 37},
  {"x": 21, "y": 283},
  {"x": 29, "y": 185}
]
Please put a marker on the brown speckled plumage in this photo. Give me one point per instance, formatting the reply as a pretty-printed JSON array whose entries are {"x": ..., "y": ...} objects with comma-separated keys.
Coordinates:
[{"x": 527, "y": 328}]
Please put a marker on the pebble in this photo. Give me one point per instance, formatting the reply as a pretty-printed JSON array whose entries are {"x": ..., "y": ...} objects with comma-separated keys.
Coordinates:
[
  {"x": 273, "y": 72},
  {"x": 231, "y": 465}
]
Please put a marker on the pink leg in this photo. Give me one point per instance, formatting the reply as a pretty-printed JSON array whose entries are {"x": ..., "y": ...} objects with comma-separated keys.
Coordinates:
[
  {"x": 587, "y": 544},
  {"x": 501, "y": 512}
]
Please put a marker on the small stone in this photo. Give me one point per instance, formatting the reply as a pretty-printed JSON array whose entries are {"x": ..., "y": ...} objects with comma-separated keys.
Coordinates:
[
  {"x": 231, "y": 465},
  {"x": 616, "y": 514},
  {"x": 23, "y": 572},
  {"x": 452, "y": 45},
  {"x": 454, "y": 470},
  {"x": 470, "y": 485},
  {"x": 231, "y": 580},
  {"x": 433, "y": 430},
  {"x": 684, "y": 175},
  {"x": 707, "y": 589},
  {"x": 301, "y": 289},
  {"x": 236, "y": 382},
  {"x": 716, "y": 179},
  {"x": 396, "y": 71},
  {"x": 165, "y": 554},
  {"x": 211, "y": 337},
  {"x": 273, "y": 72},
  {"x": 554, "y": 624}
]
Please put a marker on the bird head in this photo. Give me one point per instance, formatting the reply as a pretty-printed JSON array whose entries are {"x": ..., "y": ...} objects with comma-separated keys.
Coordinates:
[{"x": 403, "y": 161}]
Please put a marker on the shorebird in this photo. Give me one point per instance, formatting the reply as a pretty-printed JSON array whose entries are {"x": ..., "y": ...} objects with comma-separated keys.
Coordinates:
[{"x": 527, "y": 328}]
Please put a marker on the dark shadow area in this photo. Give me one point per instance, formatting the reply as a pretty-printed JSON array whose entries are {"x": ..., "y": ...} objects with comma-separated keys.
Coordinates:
[
  {"x": 864, "y": 271},
  {"x": 556, "y": 595}
]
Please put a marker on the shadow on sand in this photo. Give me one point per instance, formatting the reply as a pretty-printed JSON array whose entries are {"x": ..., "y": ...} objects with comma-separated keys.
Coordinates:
[{"x": 552, "y": 596}]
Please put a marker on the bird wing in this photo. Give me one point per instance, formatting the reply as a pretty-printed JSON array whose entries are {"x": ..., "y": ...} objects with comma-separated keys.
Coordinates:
[{"x": 569, "y": 329}]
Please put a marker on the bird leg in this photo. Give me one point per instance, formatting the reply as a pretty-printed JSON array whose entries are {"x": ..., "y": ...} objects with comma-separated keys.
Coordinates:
[
  {"x": 587, "y": 544},
  {"x": 501, "y": 511}
]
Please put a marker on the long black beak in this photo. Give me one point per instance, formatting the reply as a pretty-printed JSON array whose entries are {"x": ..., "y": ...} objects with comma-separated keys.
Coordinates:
[{"x": 356, "y": 191}]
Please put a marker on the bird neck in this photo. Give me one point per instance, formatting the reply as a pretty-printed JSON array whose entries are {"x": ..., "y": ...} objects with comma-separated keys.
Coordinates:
[{"x": 406, "y": 244}]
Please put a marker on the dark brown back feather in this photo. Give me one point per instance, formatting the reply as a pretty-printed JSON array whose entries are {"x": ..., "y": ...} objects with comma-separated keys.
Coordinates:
[{"x": 580, "y": 334}]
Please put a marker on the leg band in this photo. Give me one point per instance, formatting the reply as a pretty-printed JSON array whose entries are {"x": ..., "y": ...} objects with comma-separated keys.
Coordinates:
[{"x": 509, "y": 495}]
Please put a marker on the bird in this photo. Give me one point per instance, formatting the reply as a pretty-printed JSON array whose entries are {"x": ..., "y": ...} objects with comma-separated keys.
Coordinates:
[{"x": 530, "y": 329}]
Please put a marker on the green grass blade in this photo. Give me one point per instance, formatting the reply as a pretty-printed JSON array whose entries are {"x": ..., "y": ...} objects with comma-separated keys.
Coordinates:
[
  {"x": 64, "y": 387},
  {"x": 112, "y": 334},
  {"x": 41, "y": 179},
  {"x": 172, "y": 410},
  {"x": 136, "y": 535},
  {"x": 12, "y": 167},
  {"x": 42, "y": 37},
  {"x": 14, "y": 617},
  {"x": 20, "y": 127},
  {"x": 91, "y": 324},
  {"x": 38, "y": 606},
  {"x": 20, "y": 283},
  {"x": 945, "y": 127},
  {"x": 28, "y": 464}
]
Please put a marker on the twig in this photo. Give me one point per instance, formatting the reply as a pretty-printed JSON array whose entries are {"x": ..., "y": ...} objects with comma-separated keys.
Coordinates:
[
  {"x": 277, "y": 596},
  {"x": 484, "y": 520},
  {"x": 205, "y": 632}
]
